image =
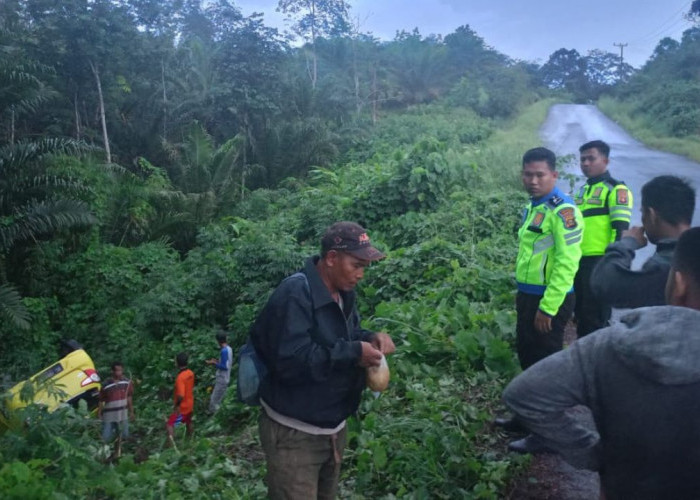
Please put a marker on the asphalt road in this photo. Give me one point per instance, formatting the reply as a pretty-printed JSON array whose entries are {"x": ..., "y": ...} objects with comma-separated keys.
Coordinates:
[{"x": 569, "y": 125}]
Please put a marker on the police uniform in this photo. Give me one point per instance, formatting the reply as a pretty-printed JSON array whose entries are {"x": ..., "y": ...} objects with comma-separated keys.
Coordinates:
[
  {"x": 606, "y": 205},
  {"x": 548, "y": 255}
]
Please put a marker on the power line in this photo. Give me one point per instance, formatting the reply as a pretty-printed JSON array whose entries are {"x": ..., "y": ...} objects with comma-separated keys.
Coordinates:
[
  {"x": 663, "y": 26},
  {"x": 666, "y": 31}
]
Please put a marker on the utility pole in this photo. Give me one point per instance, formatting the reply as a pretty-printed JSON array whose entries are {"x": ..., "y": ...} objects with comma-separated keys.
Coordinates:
[
  {"x": 622, "y": 51},
  {"x": 622, "y": 59}
]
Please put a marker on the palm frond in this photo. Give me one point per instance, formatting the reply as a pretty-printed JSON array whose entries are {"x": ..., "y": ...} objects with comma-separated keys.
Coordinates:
[
  {"x": 40, "y": 219},
  {"x": 18, "y": 155},
  {"x": 31, "y": 104},
  {"x": 17, "y": 191},
  {"x": 12, "y": 308}
]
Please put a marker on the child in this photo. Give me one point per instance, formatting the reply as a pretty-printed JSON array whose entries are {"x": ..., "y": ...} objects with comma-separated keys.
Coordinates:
[
  {"x": 223, "y": 371},
  {"x": 183, "y": 398}
]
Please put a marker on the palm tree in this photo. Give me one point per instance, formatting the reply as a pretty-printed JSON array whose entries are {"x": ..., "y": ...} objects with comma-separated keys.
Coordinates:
[
  {"x": 30, "y": 208},
  {"x": 30, "y": 205},
  {"x": 206, "y": 181}
]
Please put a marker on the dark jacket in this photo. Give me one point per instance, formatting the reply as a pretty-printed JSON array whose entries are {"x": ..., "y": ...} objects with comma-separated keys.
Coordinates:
[
  {"x": 641, "y": 380},
  {"x": 615, "y": 283},
  {"x": 311, "y": 349}
]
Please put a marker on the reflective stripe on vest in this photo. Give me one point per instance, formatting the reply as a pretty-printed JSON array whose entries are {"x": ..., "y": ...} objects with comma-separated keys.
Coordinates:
[
  {"x": 600, "y": 208},
  {"x": 550, "y": 237}
]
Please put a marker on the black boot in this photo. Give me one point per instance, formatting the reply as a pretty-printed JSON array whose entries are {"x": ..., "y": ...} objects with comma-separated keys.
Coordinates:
[
  {"x": 529, "y": 444},
  {"x": 511, "y": 425}
]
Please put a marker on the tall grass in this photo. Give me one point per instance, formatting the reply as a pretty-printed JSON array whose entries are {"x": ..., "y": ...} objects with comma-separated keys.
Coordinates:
[
  {"x": 639, "y": 127},
  {"x": 502, "y": 152}
]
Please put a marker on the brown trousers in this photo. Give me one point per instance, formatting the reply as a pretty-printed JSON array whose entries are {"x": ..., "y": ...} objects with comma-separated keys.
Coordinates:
[{"x": 300, "y": 466}]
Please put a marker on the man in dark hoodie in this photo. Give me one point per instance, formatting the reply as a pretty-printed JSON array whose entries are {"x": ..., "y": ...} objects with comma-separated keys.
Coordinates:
[
  {"x": 641, "y": 380},
  {"x": 310, "y": 339},
  {"x": 668, "y": 203}
]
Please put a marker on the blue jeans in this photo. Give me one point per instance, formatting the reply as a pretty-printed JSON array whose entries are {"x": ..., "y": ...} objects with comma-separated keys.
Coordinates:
[{"x": 109, "y": 429}]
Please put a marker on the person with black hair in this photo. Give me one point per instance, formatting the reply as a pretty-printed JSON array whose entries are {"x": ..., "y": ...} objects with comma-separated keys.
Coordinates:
[
  {"x": 606, "y": 204},
  {"x": 223, "y": 371},
  {"x": 183, "y": 398},
  {"x": 550, "y": 238},
  {"x": 668, "y": 203},
  {"x": 116, "y": 405},
  {"x": 641, "y": 380},
  {"x": 548, "y": 255}
]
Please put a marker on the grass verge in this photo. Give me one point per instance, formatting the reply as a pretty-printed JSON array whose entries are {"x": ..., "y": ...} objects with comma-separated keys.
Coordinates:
[{"x": 638, "y": 126}]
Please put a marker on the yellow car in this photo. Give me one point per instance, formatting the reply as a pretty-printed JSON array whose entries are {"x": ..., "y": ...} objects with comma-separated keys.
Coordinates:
[{"x": 66, "y": 382}]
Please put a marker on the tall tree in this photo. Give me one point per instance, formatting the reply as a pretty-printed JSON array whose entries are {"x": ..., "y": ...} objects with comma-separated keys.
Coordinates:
[
  {"x": 317, "y": 18},
  {"x": 566, "y": 70},
  {"x": 91, "y": 45},
  {"x": 603, "y": 71},
  {"x": 694, "y": 12}
]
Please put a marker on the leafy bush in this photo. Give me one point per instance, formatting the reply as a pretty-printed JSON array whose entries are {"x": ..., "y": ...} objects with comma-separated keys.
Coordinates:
[{"x": 444, "y": 209}]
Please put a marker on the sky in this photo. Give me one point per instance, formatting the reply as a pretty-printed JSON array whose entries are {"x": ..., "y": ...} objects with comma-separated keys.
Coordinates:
[{"x": 522, "y": 29}]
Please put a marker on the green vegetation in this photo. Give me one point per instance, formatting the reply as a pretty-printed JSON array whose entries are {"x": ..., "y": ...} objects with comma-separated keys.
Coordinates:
[
  {"x": 643, "y": 129},
  {"x": 660, "y": 104},
  {"x": 165, "y": 164},
  {"x": 446, "y": 210}
]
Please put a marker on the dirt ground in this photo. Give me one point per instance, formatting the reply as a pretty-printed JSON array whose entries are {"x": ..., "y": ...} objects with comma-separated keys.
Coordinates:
[{"x": 551, "y": 478}]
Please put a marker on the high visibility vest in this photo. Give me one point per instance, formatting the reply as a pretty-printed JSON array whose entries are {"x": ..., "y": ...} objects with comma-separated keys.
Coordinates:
[
  {"x": 606, "y": 205},
  {"x": 550, "y": 248}
]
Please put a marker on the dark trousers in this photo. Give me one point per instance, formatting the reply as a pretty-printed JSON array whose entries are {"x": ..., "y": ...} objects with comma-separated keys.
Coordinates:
[
  {"x": 591, "y": 314},
  {"x": 532, "y": 345},
  {"x": 300, "y": 466}
]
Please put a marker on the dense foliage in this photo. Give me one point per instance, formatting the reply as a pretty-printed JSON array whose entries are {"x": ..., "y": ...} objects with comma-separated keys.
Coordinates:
[
  {"x": 664, "y": 96},
  {"x": 445, "y": 294},
  {"x": 165, "y": 163},
  {"x": 584, "y": 78}
]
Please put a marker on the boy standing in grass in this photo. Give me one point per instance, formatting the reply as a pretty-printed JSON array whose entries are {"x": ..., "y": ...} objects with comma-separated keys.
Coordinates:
[
  {"x": 223, "y": 371},
  {"x": 183, "y": 398}
]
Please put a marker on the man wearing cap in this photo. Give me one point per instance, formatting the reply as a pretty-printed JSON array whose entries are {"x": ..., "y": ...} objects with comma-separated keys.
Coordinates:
[{"x": 309, "y": 337}]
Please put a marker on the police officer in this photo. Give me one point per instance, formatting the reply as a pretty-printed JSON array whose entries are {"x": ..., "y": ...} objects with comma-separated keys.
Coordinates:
[
  {"x": 548, "y": 256},
  {"x": 606, "y": 205}
]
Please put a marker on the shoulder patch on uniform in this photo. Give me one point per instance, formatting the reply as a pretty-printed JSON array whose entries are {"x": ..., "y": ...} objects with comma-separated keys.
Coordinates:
[
  {"x": 568, "y": 215},
  {"x": 538, "y": 219},
  {"x": 623, "y": 197}
]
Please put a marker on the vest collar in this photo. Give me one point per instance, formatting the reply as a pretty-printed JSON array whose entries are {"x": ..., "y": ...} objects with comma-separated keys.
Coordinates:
[{"x": 605, "y": 176}]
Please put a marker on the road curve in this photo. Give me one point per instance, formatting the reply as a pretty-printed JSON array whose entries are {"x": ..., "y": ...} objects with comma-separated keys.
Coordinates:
[{"x": 569, "y": 125}]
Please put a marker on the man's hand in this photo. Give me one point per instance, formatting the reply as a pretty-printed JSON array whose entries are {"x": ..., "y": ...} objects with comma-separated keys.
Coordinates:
[
  {"x": 382, "y": 341},
  {"x": 543, "y": 323},
  {"x": 211, "y": 361},
  {"x": 132, "y": 415},
  {"x": 636, "y": 232},
  {"x": 370, "y": 355}
]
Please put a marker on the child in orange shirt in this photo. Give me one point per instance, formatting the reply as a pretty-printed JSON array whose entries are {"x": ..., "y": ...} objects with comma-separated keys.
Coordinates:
[{"x": 183, "y": 398}]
